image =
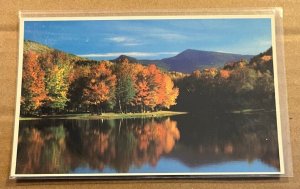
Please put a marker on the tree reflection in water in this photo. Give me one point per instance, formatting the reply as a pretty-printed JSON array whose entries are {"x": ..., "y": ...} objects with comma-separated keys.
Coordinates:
[
  {"x": 62, "y": 146},
  {"x": 211, "y": 139},
  {"x": 42, "y": 151},
  {"x": 118, "y": 144}
]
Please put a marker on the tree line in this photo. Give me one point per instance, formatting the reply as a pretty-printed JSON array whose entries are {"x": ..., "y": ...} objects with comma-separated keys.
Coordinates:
[
  {"x": 236, "y": 86},
  {"x": 54, "y": 83}
]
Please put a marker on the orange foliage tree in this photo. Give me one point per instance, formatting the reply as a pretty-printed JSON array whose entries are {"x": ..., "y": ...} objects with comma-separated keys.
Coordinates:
[
  {"x": 142, "y": 87},
  {"x": 33, "y": 85},
  {"x": 155, "y": 89},
  {"x": 170, "y": 92},
  {"x": 100, "y": 86}
]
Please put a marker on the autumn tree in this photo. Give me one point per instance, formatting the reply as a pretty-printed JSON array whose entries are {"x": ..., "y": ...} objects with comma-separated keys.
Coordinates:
[
  {"x": 76, "y": 88},
  {"x": 58, "y": 81},
  {"x": 33, "y": 85},
  {"x": 154, "y": 89},
  {"x": 196, "y": 73},
  {"x": 100, "y": 86},
  {"x": 141, "y": 98},
  {"x": 75, "y": 94},
  {"x": 265, "y": 87},
  {"x": 244, "y": 80},
  {"x": 156, "y": 85},
  {"x": 224, "y": 74},
  {"x": 170, "y": 92}
]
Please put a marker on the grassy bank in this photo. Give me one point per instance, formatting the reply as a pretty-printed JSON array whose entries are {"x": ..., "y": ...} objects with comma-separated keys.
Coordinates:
[{"x": 106, "y": 115}]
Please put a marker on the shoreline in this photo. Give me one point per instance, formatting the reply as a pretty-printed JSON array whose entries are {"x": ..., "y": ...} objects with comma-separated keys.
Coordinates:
[{"x": 106, "y": 116}]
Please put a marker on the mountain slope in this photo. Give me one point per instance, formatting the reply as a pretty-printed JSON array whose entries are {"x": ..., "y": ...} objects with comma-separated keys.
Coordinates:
[
  {"x": 36, "y": 47},
  {"x": 264, "y": 56},
  {"x": 263, "y": 61},
  {"x": 190, "y": 60},
  {"x": 42, "y": 49}
]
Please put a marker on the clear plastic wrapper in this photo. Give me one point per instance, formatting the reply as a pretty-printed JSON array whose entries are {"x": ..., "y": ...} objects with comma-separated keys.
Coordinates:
[{"x": 156, "y": 94}]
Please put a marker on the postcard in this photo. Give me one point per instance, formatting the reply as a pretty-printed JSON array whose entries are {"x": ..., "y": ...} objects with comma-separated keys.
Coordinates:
[{"x": 155, "y": 96}]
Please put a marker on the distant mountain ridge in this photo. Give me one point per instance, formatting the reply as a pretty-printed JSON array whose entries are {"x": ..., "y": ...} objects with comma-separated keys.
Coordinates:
[
  {"x": 159, "y": 63},
  {"x": 186, "y": 61},
  {"x": 190, "y": 60},
  {"x": 122, "y": 57}
]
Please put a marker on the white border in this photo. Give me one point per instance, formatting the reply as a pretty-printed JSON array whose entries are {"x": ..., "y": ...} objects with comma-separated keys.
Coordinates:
[{"x": 271, "y": 16}]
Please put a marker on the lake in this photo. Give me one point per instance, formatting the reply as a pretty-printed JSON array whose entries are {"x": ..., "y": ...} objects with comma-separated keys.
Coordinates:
[{"x": 190, "y": 143}]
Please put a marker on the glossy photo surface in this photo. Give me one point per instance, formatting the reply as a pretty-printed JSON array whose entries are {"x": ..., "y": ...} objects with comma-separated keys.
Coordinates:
[{"x": 147, "y": 96}]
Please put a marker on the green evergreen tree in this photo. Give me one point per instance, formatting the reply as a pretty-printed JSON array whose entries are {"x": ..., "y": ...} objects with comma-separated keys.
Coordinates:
[{"x": 125, "y": 92}]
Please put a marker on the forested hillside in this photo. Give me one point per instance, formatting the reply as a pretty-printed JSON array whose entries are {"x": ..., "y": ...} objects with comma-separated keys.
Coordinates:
[
  {"x": 238, "y": 85},
  {"x": 57, "y": 82}
]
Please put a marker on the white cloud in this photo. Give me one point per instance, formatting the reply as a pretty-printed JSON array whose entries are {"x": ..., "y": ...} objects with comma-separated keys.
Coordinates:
[
  {"x": 156, "y": 32},
  {"x": 131, "y": 44},
  {"x": 126, "y": 41},
  {"x": 222, "y": 51},
  {"x": 119, "y": 39},
  {"x": 133, "y": 54},
  {"x": 169, "y": 36}
]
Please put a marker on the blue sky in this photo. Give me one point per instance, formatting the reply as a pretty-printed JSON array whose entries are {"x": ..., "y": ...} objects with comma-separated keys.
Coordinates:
[{"x": 151, "y": 39}]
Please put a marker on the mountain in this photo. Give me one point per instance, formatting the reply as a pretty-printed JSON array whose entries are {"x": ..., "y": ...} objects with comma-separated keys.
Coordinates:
[
  {"x": 158, "y": 63},
  {"x": 123, "y": 57},
  {"x": 186, "y": 61},
  {"x": 190, "y": 60}
]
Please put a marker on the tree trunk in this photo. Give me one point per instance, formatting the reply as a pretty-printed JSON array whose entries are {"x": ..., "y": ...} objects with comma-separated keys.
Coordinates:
[
  {"x": 120, "y": 106},
  {"x": 92, "y": 109},
  {"x": 97, "y": 109}
]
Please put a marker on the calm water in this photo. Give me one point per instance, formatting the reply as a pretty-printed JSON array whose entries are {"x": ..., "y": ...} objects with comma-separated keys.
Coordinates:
[{"x": 182, "y": 143}]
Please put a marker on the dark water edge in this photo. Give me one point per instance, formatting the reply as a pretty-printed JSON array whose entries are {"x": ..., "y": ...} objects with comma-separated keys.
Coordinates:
[
  {"x": 206, "y": 142},
  {"x": 105, "y": 116}
]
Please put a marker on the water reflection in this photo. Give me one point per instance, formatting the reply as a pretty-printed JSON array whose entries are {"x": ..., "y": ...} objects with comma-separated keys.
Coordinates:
[
  {"x": 230, "y": 137},
  {"x": 119, "y": 144},
  {"x": 147, "y": 145}
]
